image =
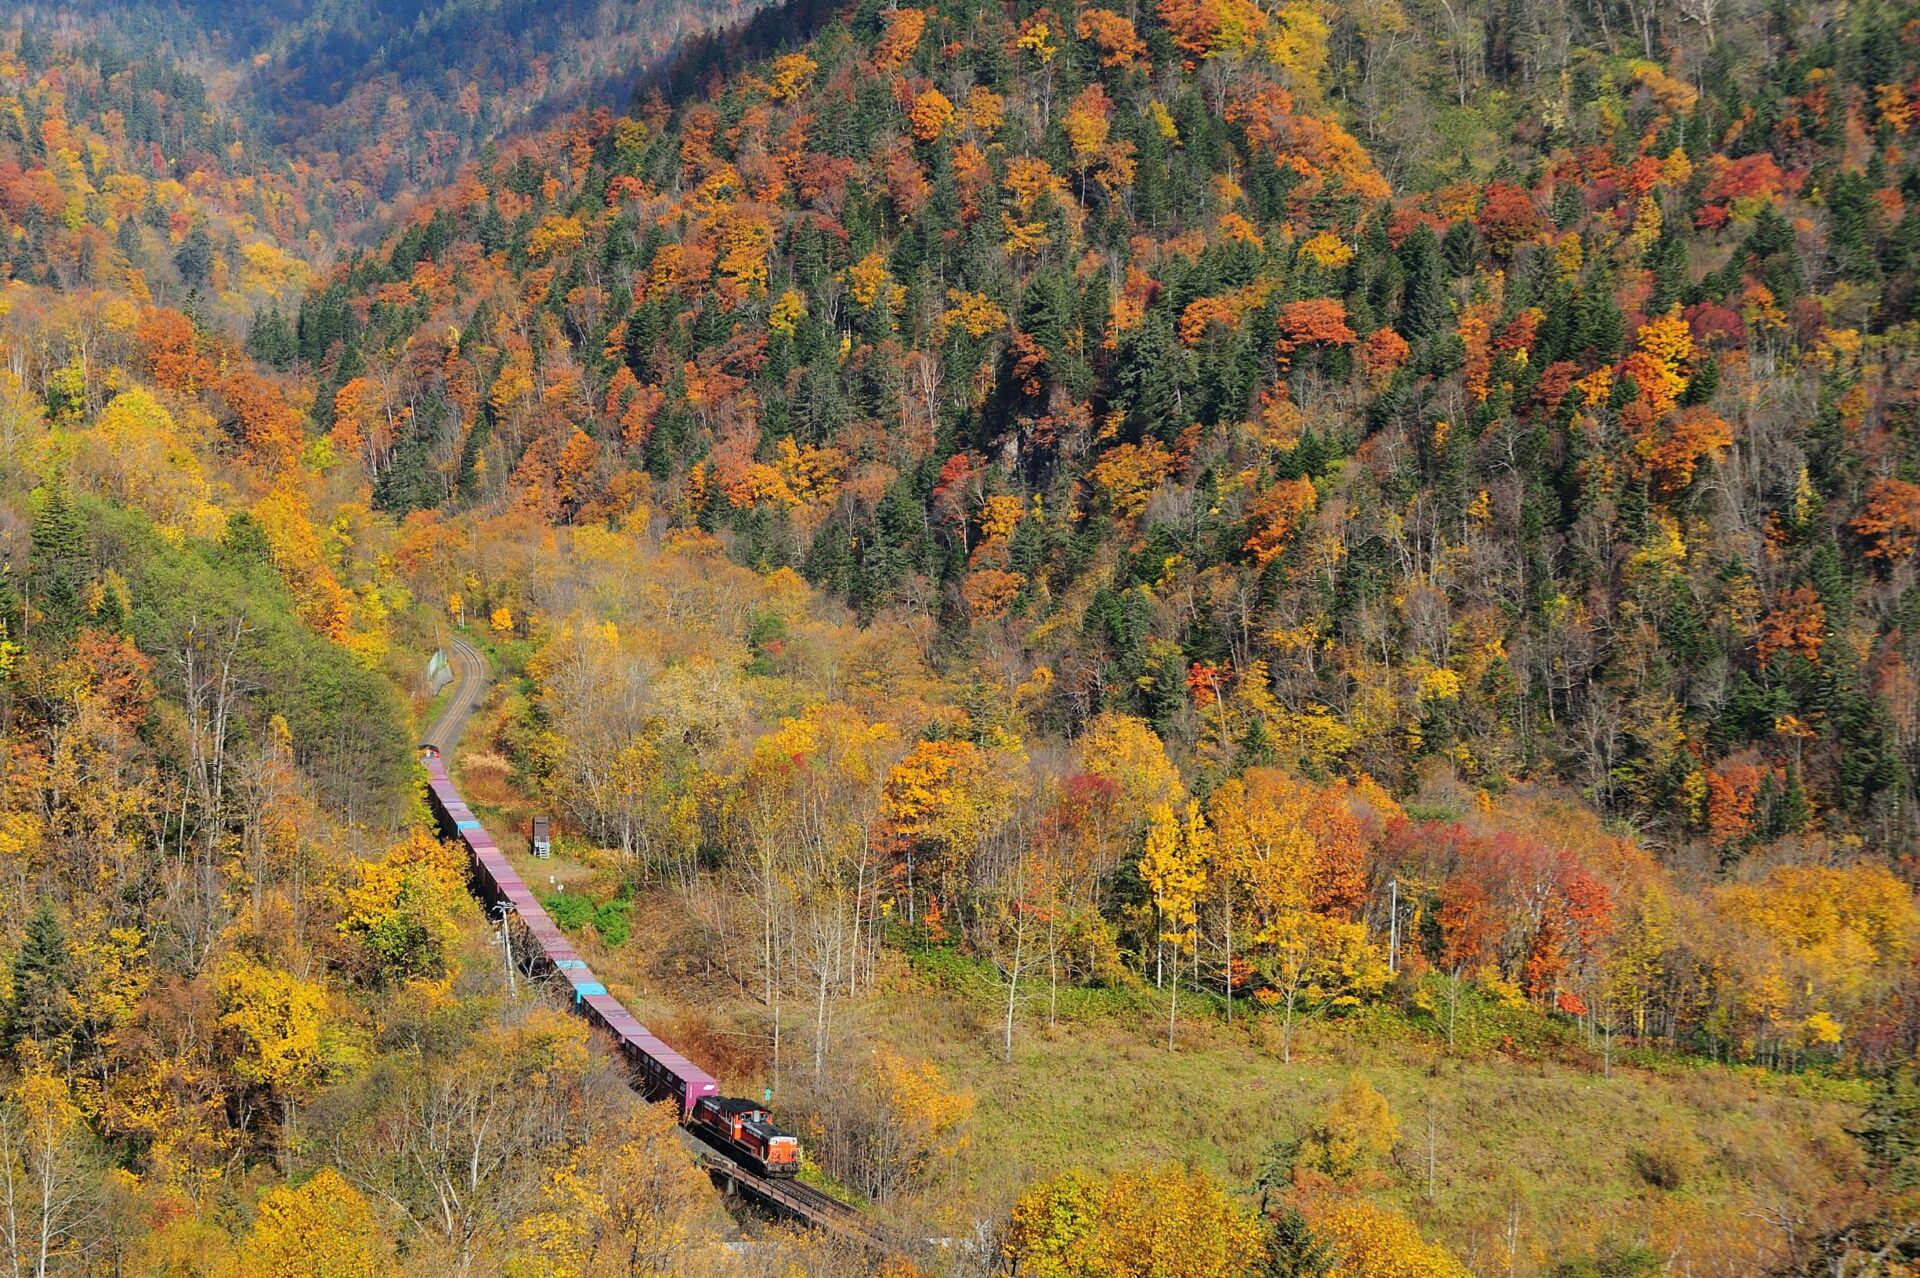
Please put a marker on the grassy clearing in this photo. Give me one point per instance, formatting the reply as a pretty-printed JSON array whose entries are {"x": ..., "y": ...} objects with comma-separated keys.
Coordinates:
[
  {"x": 1555, "y": 1152},
  {"x": 1535, "y": 1152}
]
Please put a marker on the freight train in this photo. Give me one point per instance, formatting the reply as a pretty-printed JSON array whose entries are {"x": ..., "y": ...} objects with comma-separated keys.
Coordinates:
[{"x": 742, "y": 1129}]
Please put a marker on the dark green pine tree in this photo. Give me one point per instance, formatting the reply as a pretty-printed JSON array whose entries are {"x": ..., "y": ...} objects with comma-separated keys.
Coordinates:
[
  {"x": 127, "y": 240},
  {"x": 1567, "y": 204},
  {"x": 1599, "y": 329},
  {"x": 492, "y": 232},
  {"x": 323, "y": 320},
  {"x": 1424, "y": 310},
  {"x": 194, "y": 258},
  {"x": 1766, "y": 802},
  {"x": 1292, "y": 1250},
  {"x": 1704, "y": 382},
  {"x": 1667, "y": 259},
  {"x": 1850, "y": 228},
  {"x": 271, "y": 340},
  {"x": 1153, "y": 366},
  {"x": 1902, "y": 251},
  {"x": 41, "y": 1008},
  {"x": 1256, "y": 746},
  {"x": 810, "y": 266},
  {"x": 1461, "y": 249},
  {"x": 111, "y": 616},
  {"x": 59, "y": 537},
  {"x": 1795, "y": 810},
  {"x": 1046, "y": 311}
]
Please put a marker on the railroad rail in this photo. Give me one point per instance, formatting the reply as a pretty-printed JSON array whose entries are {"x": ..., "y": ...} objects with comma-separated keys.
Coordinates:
[
  {"x": 656, "y": 1071},
  {"x": 792, "y": 1198}
]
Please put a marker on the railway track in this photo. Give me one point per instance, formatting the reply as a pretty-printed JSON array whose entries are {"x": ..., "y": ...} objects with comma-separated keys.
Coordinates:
[
  {"x": 471, "y": 675},
  {"x": 786, "y": 1197},
  {"x": 794, "y": 1199}
]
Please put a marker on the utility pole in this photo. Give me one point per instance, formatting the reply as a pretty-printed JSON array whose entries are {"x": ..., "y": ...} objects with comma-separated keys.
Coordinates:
[
  {"x": 506, "y": 948},
  {"x": 1393, "y": 927}
]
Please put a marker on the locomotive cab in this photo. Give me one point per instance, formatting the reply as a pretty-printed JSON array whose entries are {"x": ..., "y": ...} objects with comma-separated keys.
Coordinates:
[{"x": 747, "y": 1131}]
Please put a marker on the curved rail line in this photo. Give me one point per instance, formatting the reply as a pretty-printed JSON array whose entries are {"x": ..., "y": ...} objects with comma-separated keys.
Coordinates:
[
  {"x": 656, "y": 1071},
  {"x": 471, "y": 676}
]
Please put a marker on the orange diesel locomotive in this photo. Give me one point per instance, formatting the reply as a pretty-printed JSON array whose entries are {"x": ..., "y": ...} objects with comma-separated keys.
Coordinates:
[{"x": 748, "y": 1133}]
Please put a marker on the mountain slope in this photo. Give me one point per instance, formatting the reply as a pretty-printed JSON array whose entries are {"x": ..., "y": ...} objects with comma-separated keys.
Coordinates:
[{"x": 1111, "y": 337}]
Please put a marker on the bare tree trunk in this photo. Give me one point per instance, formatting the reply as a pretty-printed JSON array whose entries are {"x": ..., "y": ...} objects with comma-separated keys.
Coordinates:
[
  {"x": 1013, "y": 984},
  {"x": 1286, "y": 1032},
  {"x": 1226, "y": 981},
  {"x": 1173, "y": 1003},
  {"x": 1053, "y": 973}
]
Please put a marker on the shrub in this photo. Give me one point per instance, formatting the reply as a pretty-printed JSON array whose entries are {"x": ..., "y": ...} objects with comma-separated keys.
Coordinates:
[
  {"x": 570, "y": 913},
  {"x": 1612, "y": 1260},
  {"x": 613, "y": 920},
  {"x": 1666, "y": 1162}
]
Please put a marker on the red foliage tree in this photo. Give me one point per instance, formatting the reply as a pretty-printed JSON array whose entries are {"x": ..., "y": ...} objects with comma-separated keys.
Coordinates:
[{"x": 1507, "y": 218}]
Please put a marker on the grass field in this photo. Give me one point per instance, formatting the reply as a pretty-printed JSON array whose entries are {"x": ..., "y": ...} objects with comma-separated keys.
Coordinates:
[{"x": 1532, "y": 1158}]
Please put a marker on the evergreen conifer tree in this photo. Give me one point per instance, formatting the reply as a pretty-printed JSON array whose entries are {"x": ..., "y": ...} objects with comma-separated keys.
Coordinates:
[
  {"x": 1424, "y": 310},
  {"x": 41, "y": 1008}
]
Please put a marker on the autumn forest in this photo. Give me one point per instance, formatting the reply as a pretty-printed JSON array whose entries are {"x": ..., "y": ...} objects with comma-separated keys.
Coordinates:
[{"x": 1200, "y": 638}]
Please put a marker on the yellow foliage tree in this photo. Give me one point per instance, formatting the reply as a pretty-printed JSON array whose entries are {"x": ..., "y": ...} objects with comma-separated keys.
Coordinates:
[
  {"x": 47, "y": 1173},
  {"x": 1311, "y": 962},
  {"x": 786, "y": 313},
  {"x": 986, "y": 110},
  {"x": 1087, "y": 122},
  {"x": 1815, "y": 944},
  {"x": 931, "y": 113},
  {"x": 789, "y": 76},
  {"x": 146, "y": 462},
  {"x": 1173, "y": 865},
  {"x": 300, "y": 555},
  {"x": 1127, "y": 475},
  {"x": 1351, "y": 1135},
  {"x": 1125, "y": 750},
  {"x": 942, "y": 798},
  {"x": 1371, "y": 1242},
  {"x": 1172, "y": 1221},
  {"x": 974, "y": 312},
  {"x": 1327, "y": 249},
  {"x": 323, "y": 1229},
  {"x": 1660, "y": 361},
  {"x": 555, "y": 236},
  {"x": 402, "y": 908},
  {"x": 932, "y": 1117},
  {"x": 272, "y": 1020},
  {"x": 625, "y": 1204},
  {"x": 869, "y": 282},
  {"x": 744, "y": 241}
]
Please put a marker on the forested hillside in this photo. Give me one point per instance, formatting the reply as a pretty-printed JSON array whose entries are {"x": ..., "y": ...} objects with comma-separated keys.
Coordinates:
[
  {"x": 1213, "y": 638},
  {"x": 1588, "y": 467}
]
